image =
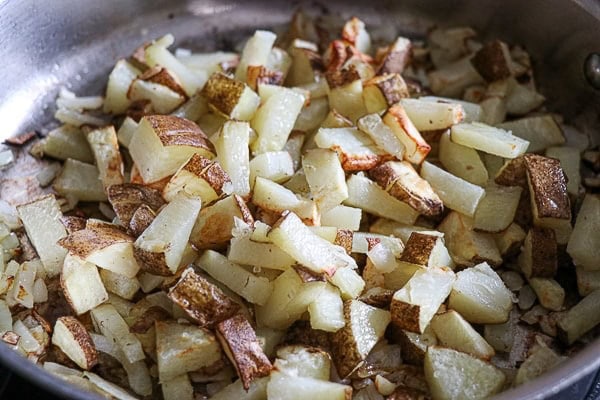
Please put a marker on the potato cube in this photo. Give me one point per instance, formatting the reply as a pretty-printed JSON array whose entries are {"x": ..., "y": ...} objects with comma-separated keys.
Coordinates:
[
  {"x": 162, "y": 143},
  {"x": 201, "y": 300},
  {"x": 454, "y": 332},
  {"x": 74, "y": 340},
  {"x": 539, "y": 257},
  {"x": 480, "y": 296},
  {"x": 580, "y": 319},
  {"x": 415, "y": 147},
  {"x": 41, "y": 220},
  {"x": 584, "y": 243},
  {"x": 365, "y": 326},
  {"x": 489, "y": 139},
  {"x": 454, "y": 192},
  {"x": 496, "y": 211},
  {"x": 454, "y": 375},
  {"x": 357, "y": 152},
  {"x": 400, "y": 180},
  {"x": 183, "y": 348},
  {"x": 239, "y": 342},
  {"x": 462, "y": 161},
  {"x": 416, "y": 303}
]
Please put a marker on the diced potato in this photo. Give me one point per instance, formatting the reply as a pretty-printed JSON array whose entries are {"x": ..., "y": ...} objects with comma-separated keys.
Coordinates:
[
  {"x": 239, "y": 342},
  {"x": 569, "y": 158},
  {"x": 313, "y": 252},
  {"x": 327, "y": 311},
  {"x": 162, "y": 143},
  {"x": 199, "y": 177},
  {"x": 454, "y": 192},
  {"x": 416, "y": 303},
  {"x": 471, "y": 111},
  {"x": 119, "y": 81},
  {"x": 177, "y": 388},
  {"x": 126, "y": 199},
  {"x": 522, "y": 99},
  {"x": 41, "y": 220},
  {"x": 493, "y": 61},
  {"x": 414, "y": 345},
  {"x": 454, "y": 332},
  {"x": 213, "y": 227},
  {"x": 79, "y": 180},
  {"x": 347, "y": 99},
  {"x": 159, "y": 249},
  {"x": 204, "y": 302},
  {"x": 355, "y": 149},
  {"x": 451, "y": 79},
  {"x": 539, "y": 257},
  {"x": 73, "y": 339},
  {"x": 348, "y": 281},
  {"x": 306, "y": 63},
  {"x": 342, "y": 217},
  {"x": 587, "y": 281},
  {"x": 325, "y": 178},
  {"x": 496, "y": 211},
  {"x": 105, "y": 147},
  {"x": 415, "y": 147},
  {"x": 480, "y": 296},
  {"x": 454, "y": 375},
  {"x": 462, "y": 161},
  {"x": 365, "y": 326},
  {"x": 235, "y": 390},
  {"x": 106, "y": 246},
  {"x": 256, "y": 52},
  {"x": 396, "y": 57},
  {"x": 580, "y": 319},
  {"x": 105, "y": 387},
  {"x": 162, "y": 99},
  {"x": 271, "y": 196},
  {"x": 584, "y": 243},
  {"x": 275, "y": 119},
  {"x": 289, "y": 299},
  {"x": 183, "y": 348},
  {"x": 401, "y": 231},
  {"x": 234, "y": 156},
  {"x": 383, "y": 91},
  {"x": 540, "y": 131},
  {"x": 107, "y": 320},
  {"x": 549, "y": 198},
  {"x": 493, "y": 110},
  {"x": 253, "y": 288},
  {"x": 246, "y": 251},
  {"x": 429, "y": 116},
  {"x": 489, "y": 139},
  {"x": 400, "y": 180},
  {"x": 119, "y": 284},
  {"x": 450, "y": 44},
  {"x": 538, "y": 362},
  {"x": 299, "y": 360},
  {"x": 64, "y": 142},
  {"x": 368, "y": 196},
  {"x": 193, "y": 109},
  {"x": 426, "y": 250},
  {"x": 288, "y": 387},
  {"x": 276, "y": 166},
  {"x": 549, "y": 292},
  {"x": 381, "y": 134}
]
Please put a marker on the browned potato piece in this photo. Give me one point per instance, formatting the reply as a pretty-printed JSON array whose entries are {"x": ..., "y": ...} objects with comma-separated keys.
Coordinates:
[
  {"x": 365, "y": 325},
  {"x": 140, "y": 220},
  {"x": 259, "y": 75},
  {"x": 509, "y": 240},
  {"x": 201, "y": 177},
  {"x": 413, "y": 345},
  {"x": 426, "y": 250},
  {"x": 74, "y": 340},
  {"x": 416, "y": 148},
  {"x": 213, "y": 226},
  {"x": 466, "y": 246},
  {"x": 400, "y": 179},
  {"x": 539, "y": 257},
  {"x": 549, "y": 197},
  {"x": 395, "y": 58},
  {"x": 202, "y": 300},
  {"x": 128, "y": 197},
  {"x": 381, "y": 92},
  {"x": 239, "y": 342},
  {"x": 493, "y": 61},
  {"x": 230, "y": 97}
]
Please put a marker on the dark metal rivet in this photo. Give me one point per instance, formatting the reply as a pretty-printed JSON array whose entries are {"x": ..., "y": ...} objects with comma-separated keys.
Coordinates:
[{"x": 591, "y": 69}]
